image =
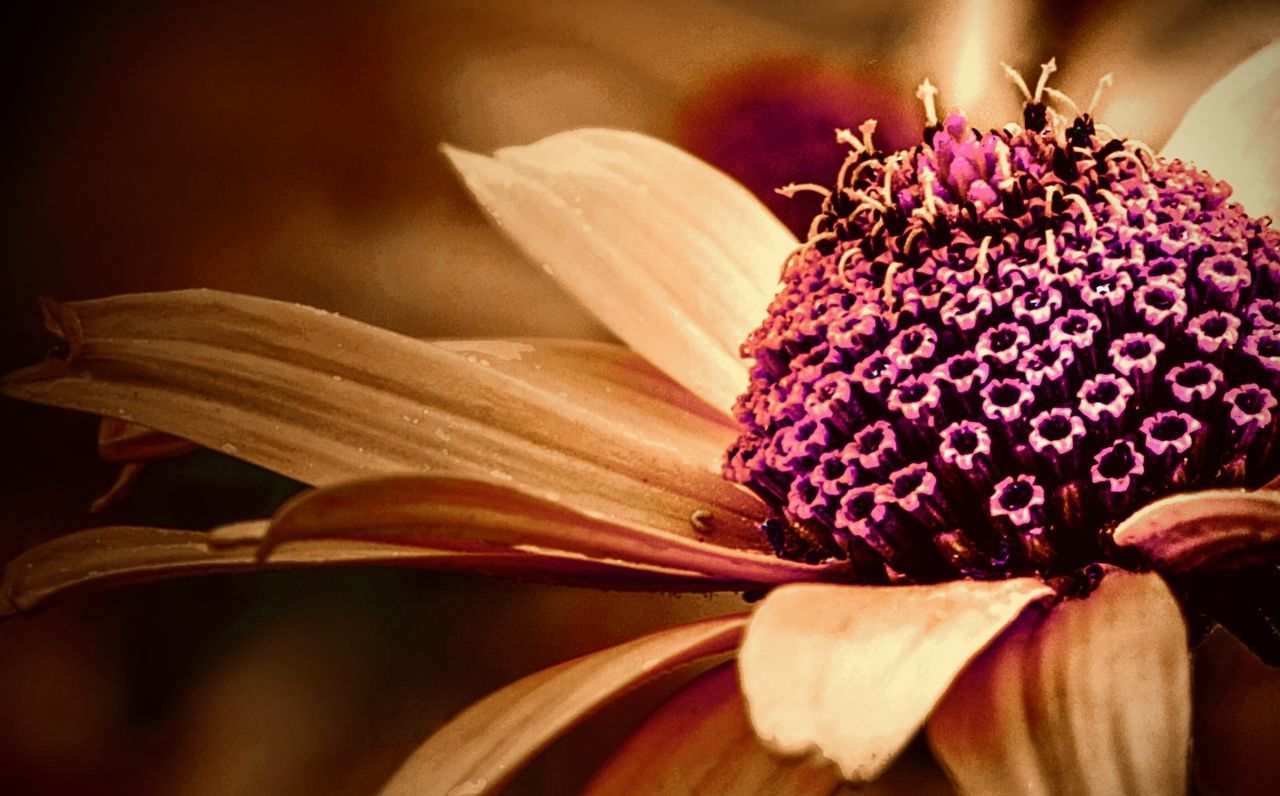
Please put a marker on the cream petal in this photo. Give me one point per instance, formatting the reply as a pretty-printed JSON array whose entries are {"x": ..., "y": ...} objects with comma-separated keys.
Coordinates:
[
  {"x": 324, "y": 399},
  {"x": 673, "y": 256},
  {"x": 1095, "y": 699},
  {"x": 99, "y": 558},
  {"x": 851, "y": 672},
  {"x": 487, "y": 744},
  {"x": 1231, "y": 132},
  {"x": 1198, "y": 530},
  {"x": 701, "y": 742},
  {"x": 450, "y": 514}
]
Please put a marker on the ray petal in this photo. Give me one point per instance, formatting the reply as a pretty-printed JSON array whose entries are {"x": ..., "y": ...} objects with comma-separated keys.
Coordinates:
[
  {"x": 450, "y": 514},
  {"x": 672, "y": 255},
  {"x": 487, "y": 744},
  {"x": 324, "y": 399},
  {"x": 701, "y": 742},
  {"x": 1198, "y": 530},
  {"x": 1231, "y": 132},
  {"x": 851, "y": 672},
  {"x": 99, "y": 558},
  {"x": 1095, "y": 699}
]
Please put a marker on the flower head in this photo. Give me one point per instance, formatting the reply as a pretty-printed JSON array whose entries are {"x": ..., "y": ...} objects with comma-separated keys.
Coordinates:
[
  {"x": 995, "y": 346},
  {"x": 989, "y": 349}
]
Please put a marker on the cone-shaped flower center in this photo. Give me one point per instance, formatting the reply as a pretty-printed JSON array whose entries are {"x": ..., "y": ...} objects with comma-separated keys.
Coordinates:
[{"x": 994, "y": 347}]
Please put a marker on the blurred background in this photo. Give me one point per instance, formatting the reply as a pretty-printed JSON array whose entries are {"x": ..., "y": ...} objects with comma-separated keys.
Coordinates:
[{"x": 289, "y": 150}]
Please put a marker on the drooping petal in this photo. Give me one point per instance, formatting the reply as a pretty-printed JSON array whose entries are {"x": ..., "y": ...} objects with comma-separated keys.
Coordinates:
[
  {"x": 99, "y": 558},
  {"x": 851, "y": 672},
  {"x": 673, "y": 256},
  {"x": 701, "y": 742},
  {"x": 1198, "y": 530},
  {"x": 454, "y": 515},
  {"x": 1094, "y": 699},
  {"x": 1231, "y": 132},
  {"x": 487, "y": 744},
  {"x": 324, "y": 399}
]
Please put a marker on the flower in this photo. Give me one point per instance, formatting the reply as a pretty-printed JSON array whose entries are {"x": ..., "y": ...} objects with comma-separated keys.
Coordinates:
[{"x": 580, "y": 463}]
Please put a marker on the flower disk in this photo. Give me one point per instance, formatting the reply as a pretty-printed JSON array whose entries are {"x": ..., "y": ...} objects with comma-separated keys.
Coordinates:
[{"x": 994, "y": 347}]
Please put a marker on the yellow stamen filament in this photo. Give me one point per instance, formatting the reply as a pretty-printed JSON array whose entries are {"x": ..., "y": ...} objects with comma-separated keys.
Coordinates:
[
  {"x": 868, "y": 202},
  {"x": 1002, "y": 161},
  {"x": 1051, "y": 249},
  {"x": 1061, "y": 96},
  {"x": 791, "y": 189},
  {"x": 852, "y": 178},
  {"x": 1057, "y": 123},
  {"x": 845, "y": 136},
  {"x": 1106, "y": 129},
  {"x": 843, "y": 263},
  {"x": 1017, "y": 80},
  {"x": 910, "y": 239},
  {"x": 1112, "y": 200},
  {"x": 1105, "y": 82},
  {"x": 1090, "y": 223},
  {"x": 1046, "y": 69},
  {"x": 889, "y": 275},
  {"x": 926, "y": 92},
  {"x": 1125, "y": 154},
  {"x": 980, "y": 262},
  {"x": 1049, "y": 193},
  {"x": 800, "y": 251},
  {"x": 868, "y": 129},
  {"x": 1136, "y": 146}
]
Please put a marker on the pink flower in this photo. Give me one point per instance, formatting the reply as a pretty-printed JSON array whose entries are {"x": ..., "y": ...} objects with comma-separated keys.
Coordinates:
[{"x": 573, "y": 462}]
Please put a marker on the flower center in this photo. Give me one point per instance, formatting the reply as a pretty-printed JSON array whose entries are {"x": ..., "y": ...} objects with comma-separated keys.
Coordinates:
[{"x": 994, "y": 347}]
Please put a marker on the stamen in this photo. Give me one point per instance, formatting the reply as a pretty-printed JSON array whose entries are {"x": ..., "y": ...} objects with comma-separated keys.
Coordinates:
[
  {"x": 926, "y": 93},
  {"x": 868, "y": 128},
  {"x": 1046, "y": 69},
  {"x": 791, "y": 189},
  {"x": 1016, "y": 77},
  {"x": 1090, "y": 223},
  {"x": 845, "y": 136},
  {"x": 1062, "y": 97},
  {"x": 1105, "y": 82}
]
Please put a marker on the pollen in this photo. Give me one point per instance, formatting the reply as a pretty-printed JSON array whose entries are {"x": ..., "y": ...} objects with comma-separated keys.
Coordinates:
[{"x": 995, "y": 346}]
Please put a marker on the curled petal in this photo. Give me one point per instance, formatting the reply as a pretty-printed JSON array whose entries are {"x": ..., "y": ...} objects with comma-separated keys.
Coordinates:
[
  {"x": 1231, "y": 132},
  {"x": 449, "y": 514},
  {"x": 700, "y": 742},
  {"x": 672, "y": 255},
  {"x": 1199, "y": 530},
  {"x": 323, "y": 399},
  {"x": 1094, "y": 699},
  {"x": 851, "y": 672},
  {"x": 488, "y": 743}
]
